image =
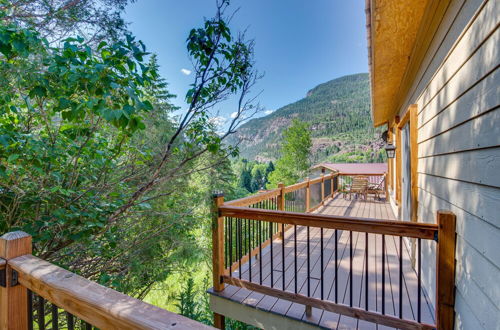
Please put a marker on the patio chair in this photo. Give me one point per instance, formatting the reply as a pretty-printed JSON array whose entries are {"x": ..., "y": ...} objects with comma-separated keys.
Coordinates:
[
  {"x": 377, "y": 188},
  {"x": 359, "y": 186}
]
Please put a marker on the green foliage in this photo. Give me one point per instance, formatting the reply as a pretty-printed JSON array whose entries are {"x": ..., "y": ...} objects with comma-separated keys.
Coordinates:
[
  {"x": 253, "y": 176},
  {"x": 56, "y": 19},
  {"x": 189, "y": 306},
  {"x": 294, "y": 161},
  {"x": 62, "y": 130}
]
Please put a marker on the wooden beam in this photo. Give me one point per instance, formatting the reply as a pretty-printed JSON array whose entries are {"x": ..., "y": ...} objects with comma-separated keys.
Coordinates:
[
  {"x": 387, "y": 227},
  {"x": 413, "y": 110},
  {"x": 217, "y": 242},
  {"x": 102, "y": 307},
  {"x": 358, "y": 313},
  {"x": 13, "y": 299},
  {"x": 445, "y": 270},
  {"x": 398, "y": 165}
]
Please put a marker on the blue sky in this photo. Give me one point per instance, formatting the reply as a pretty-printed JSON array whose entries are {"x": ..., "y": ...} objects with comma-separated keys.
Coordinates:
[{"x": 299, "y": 43}]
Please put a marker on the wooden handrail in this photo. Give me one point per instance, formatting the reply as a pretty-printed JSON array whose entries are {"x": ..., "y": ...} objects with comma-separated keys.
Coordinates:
[
  {"x": 386, "y": 227},
  {"x": 3, "y": 263},
  {"x": 100, "y": 306},
  {"x": 361, "y": 174},
  {"x": 245, "y": 201}
]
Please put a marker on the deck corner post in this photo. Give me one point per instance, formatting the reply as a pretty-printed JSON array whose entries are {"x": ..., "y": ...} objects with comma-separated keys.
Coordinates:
[
  {"x": 217, "y": 242},
  {"x": 308, "y": 195},
  {"x": 445, "y": 270},
  {"x": 13, "y": 298}
]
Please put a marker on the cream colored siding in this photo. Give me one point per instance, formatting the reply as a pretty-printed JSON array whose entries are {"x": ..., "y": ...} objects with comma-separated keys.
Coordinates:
[{"x": 457, "y": 91}]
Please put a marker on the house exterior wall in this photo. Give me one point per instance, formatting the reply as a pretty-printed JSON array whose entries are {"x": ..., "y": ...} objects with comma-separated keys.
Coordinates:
[{"x": 457, "y": 91}]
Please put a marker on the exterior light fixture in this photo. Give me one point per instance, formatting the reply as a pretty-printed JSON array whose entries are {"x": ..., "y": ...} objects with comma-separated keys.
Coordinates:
[{"x": 390, "y": 149}]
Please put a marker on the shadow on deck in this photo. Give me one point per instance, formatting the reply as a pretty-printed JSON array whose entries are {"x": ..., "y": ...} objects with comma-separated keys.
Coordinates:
[{"x": 342, "y": 250}]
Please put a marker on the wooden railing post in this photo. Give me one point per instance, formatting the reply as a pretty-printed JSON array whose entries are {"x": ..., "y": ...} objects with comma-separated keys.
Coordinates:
[
  {"x": 13, "y": 297},
  {"x": 322, "y": 189},
  {"x": 218, "y": 252},
  {"x": 386, "y": 187},
  {"x": 332, "y": 184},
  {"x": 281, "y": 206},
  {"x": 445, "y": 270},
  {"x": 281, "y": 197},
  {"x": 308, "y": 195}
]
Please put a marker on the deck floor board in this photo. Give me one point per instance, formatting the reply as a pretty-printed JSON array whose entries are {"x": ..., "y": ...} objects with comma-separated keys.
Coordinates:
[{"x": 344, "y": 207}]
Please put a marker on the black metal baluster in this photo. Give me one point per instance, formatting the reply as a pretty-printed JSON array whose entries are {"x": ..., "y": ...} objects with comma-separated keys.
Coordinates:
[
  {"x": 350, "y": 268},
  {"x": 383, "y": 274},
  {"x": 308, "y": 265},
  {"x": 244, "y": 236},
  {"x": 30, "y": 310},
  {"x": 55, "y": 317},
  {"x": 41, "y": 313},
  {"x": 419, "y": 274},
  {"x": 400, "y": 277},
  {"x": 295, "y": 255},
  {"x": 260, "y": 252},
  {"x": 366, "y": 271},
  {"x": 70, "y": 320},
  {"x": 88, "y": 326},
  {"x": 250, "y": 250},
  {"x": 336, "y": 267},
  {"x": 239, "y": 248},
  {"x": 283, "y": 254},
  {"x": 321, "y": 263},
  {"x": 271, "y": 248},
  {"x": 230, "y": 247}
]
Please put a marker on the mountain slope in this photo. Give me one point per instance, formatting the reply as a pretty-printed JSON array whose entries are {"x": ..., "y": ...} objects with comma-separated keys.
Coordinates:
[{"x": 339, "y": 114}]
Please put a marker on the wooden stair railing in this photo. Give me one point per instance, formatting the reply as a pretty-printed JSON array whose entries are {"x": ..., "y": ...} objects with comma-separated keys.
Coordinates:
[
  {"x": 255, "y": 215},
  {"x": 96, "y": 305}
]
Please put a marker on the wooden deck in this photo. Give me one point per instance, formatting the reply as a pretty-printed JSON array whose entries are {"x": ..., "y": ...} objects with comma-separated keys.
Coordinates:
[{"x": 325, "y": 319}]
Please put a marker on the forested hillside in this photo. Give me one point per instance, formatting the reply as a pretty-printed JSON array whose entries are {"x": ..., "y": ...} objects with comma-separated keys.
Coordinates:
[{"x": 338, "y": 113}]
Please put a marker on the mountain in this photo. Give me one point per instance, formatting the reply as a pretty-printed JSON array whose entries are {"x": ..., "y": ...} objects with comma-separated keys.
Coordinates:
[{"x": 338, "y": 112}]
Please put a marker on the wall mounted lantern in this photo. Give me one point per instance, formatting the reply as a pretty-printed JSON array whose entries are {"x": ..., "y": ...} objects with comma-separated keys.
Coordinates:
[{"x": 390, "y": 149}]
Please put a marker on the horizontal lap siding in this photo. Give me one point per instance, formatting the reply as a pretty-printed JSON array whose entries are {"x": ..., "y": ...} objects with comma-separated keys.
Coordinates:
[{"x": 457, "y": 90}]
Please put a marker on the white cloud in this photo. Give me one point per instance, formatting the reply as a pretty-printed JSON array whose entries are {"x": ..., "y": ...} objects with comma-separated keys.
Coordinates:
[
  {"x": 186, "y": 72},
  {"x": 218, "y": 121},
  {"x": 234, "y": 115},
  {"x": 268, "y": 112}
]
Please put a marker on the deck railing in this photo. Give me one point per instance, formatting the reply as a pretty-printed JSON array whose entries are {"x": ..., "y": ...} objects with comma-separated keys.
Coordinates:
[
  {"x": 255, "y": 247},
  {"x": 37, "y": 294}
]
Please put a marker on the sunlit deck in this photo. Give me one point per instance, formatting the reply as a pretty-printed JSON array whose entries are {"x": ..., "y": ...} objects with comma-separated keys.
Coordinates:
[{"x": 249, "y": 302}]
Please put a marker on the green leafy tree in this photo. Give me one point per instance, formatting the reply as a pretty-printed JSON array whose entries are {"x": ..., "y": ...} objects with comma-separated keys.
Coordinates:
[
  {"x": 100, "y": 194},
  {"x": 294, "y": 161},
  {"x": 56, "y": 19}
]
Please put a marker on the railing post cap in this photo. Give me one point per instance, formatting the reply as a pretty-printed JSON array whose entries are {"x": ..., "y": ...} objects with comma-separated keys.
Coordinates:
[
  {"x": 13, "y": 235},
  {"x": 217, "y": 194}
]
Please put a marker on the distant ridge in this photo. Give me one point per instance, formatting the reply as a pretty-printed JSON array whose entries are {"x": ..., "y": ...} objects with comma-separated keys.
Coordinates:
[{"x": 339, "y": 114}]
